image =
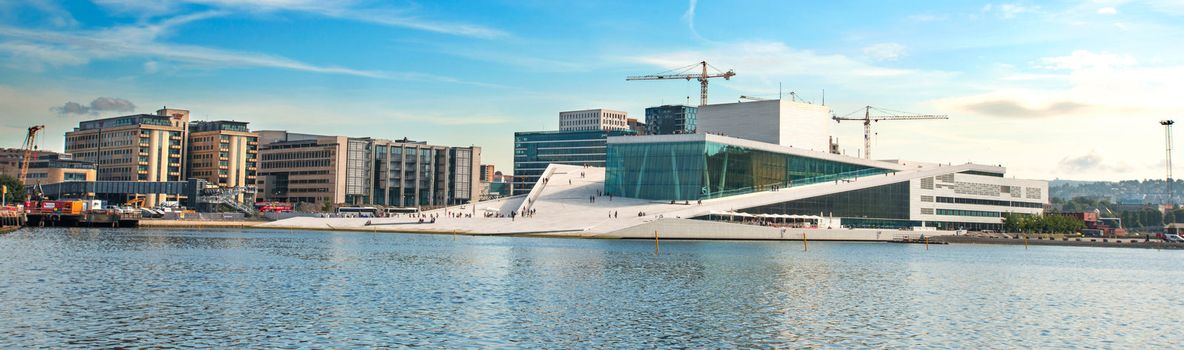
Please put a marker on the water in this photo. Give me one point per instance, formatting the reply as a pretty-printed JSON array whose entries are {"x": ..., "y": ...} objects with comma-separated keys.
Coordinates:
[{"x": 92, "y": 288}]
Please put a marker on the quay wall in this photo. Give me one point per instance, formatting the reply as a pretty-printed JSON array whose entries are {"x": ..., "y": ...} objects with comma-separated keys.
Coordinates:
[{"x": 701, "y": 229}]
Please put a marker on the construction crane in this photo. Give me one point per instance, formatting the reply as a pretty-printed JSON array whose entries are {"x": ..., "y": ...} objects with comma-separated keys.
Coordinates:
[
  {"x": 883, "y": 114},
  {"x": 697, "y": 71},
  {"x": 1167, "y": 128},
  {"x": 29, "y": 151}
]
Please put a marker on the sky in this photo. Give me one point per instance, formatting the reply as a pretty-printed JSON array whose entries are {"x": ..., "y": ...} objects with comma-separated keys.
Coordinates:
[{"x": 1049, "y": 89}]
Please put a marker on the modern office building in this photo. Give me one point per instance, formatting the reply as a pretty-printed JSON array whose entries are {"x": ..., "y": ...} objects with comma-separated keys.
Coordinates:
[
  {"x": 224, "y": 153},
  {"x": 142, "y": 147},
  {"x": 781, "y": 180},
  {"x": 779, "y": 122},
  {"x": 593, "y": 119},
  {"x": 364, "y": 171},
  {"x": 301, "y": 168},
  {"x": 668, "y": 119},
  {"x": 534, "y": 150}
]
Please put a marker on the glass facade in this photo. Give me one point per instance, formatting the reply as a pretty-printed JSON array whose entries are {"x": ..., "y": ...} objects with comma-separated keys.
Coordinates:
[
  {"x": 535, "y": 150},
  {"x": 702, "y": 170},
  {"x": 880, "y": 202}
]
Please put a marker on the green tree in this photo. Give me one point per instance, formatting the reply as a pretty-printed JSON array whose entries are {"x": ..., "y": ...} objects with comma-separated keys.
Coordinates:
[{"x": 16, "y": 191}]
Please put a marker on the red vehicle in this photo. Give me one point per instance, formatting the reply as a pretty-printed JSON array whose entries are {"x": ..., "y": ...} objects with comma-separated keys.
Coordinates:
[{"x": 274, "y": 207}]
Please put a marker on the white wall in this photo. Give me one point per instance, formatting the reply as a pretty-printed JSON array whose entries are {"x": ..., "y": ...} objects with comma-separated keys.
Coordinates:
[
  {"x": 948, "y": 189},
  {"x": 757, "y": 121},
  {"x": 805, "y": 126},
  {"x": 780, "y": 122}
]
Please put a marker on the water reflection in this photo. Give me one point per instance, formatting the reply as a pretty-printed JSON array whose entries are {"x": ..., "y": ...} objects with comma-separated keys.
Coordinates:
[{"x": 88, "y": 288}]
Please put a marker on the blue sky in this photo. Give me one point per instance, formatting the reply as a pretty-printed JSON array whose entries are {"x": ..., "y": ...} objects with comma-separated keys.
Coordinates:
[{"x": 1051, "y": 89}]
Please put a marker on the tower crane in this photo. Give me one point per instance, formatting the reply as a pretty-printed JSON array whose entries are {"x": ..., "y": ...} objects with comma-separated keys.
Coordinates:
[
  {"x": 697, "y": 71},
  {"x": 883, "y": 114}
]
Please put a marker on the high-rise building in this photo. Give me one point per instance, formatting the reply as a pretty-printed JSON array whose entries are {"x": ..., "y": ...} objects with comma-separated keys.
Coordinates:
[
  {"x": 141, "y": 147},
  {"x": 668, "y": 119},
  {"x": 593, "y": 119},
  {"x": 223, "y": 152},
  {"x": 365, "y": 171},
  {"x": 779, "y": 122},
  {"x": 534, "y": 150}
]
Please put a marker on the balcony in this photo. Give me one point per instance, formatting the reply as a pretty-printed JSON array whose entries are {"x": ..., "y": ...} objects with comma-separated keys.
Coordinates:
[
  {"x": 175, "y": 146},
  {"x": 143, "y": 144},
  {"x": 253, "y": 143},
  {"x": 142, "y": 163}
]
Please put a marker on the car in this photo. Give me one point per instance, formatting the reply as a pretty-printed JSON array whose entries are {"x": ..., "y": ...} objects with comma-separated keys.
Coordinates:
[{"x": 1171, "y": 237}]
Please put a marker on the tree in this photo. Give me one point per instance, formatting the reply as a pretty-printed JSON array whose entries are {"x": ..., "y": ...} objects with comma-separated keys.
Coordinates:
[{"x": 16, "y": 191}]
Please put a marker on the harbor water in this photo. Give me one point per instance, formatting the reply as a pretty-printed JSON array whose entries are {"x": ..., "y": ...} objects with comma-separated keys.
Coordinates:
[{"x": 99, "y": 288}]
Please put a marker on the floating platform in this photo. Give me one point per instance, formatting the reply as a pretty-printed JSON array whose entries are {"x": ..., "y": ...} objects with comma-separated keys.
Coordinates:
[{"x": 86, "y": 219}]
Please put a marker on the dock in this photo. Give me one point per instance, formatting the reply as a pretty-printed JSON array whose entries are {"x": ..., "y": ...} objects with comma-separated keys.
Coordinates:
[{"x": 93, "y": 218}]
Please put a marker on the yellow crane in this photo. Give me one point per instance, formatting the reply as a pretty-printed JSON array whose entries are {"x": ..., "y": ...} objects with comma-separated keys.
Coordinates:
[
  {"x": 697, "y": 71},
  {"x": 882, "y": 114},
  {"x": 29, "y": 151}
]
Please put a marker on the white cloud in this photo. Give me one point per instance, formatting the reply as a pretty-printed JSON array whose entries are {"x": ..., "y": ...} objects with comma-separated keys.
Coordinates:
[
  {"x": 1082, "y": 59},
  {"x": 773, "y": 58},
  {"x": 1008, "y": 11},
  {"x": 340, "y": 9},
  {"x": 689, "y": 17},
  {"x": 141, "y": 41},
  {"x": 1107, "y": 11},
  {"x": 36, "y": 57},
  {"x": 884, "y": 51}
]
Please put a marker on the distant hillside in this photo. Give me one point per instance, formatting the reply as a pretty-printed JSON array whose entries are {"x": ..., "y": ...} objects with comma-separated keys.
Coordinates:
[{"x": 1127, "y": 191}]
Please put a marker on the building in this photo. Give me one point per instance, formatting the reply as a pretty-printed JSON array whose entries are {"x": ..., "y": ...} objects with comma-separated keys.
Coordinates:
[
  {"x": 668, "y": 119},
  {"x": 534, "y": 150},
  {"x": 224, "y": 153},
  {"x": 593, "y": 119},
  {"x": 487, "y": 172},
  {"x": 781, "y": 180},
  {"x": 779, "y": 122},
  {"x": 301, "y": 168},
  {"x": 10, "y": 159},
  {"x": 637, "y": 126},
  {"x": 53, "y": 168},
  {"x": 464, "y": 165},
  {"x": 141, "y": 147},
  {"x": 365, "y": 171}
]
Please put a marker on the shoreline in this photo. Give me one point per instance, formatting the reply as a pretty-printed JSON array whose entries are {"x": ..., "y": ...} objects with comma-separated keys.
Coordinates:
[
  {"x": 958, "y": 240},
  {"x": 1070, "y": 242}
]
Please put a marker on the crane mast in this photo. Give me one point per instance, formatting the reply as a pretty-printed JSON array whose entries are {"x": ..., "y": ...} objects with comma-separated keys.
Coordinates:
[
  {"x": 700, "y": 73},
  {"x": 29, "y": 150},
  {"x": 868, "y": 118}
]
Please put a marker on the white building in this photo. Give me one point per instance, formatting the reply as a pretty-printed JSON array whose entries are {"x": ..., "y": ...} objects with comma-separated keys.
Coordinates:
[
  {"x": 779, "y": 122},
  {"x": 593, "y": 119}
]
